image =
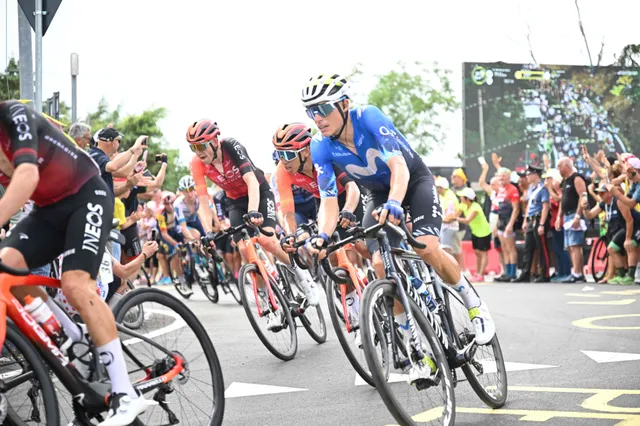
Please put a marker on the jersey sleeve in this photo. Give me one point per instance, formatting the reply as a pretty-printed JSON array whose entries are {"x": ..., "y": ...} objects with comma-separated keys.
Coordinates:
[
  {"x": 274, "y": 189},
  {"x": 341, "y": 176},
  {"x": 383, "y": 131},
  {"x": 178, "y": 206},
  {"x": 238, "y": 154},
  {"x": 544, "y": 195},
  {"x": 324, "y": 170},
  {"x": 197, "y": 172},
  {"x": 285, "y": 192},
  {"x": 20, "y": 124}
]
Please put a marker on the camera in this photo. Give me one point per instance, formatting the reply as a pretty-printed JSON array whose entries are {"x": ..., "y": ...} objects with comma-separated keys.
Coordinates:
[
  {"x": 145, "y": 142},
  {"x": 161, "y": 158}
]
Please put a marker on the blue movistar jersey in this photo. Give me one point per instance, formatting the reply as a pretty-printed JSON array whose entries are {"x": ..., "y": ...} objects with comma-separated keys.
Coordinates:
[
  {"x": 300, "y": 195},
  {"x": 376, "y": 141}
]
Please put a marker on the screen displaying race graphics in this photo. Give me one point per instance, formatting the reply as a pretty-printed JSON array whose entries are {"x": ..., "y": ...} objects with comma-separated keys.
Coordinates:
[{"x": 524, "y": 112}]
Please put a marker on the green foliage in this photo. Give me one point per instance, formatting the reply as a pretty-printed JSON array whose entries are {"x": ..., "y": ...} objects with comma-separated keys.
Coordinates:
[
  {"x": 132, "y": 126},
  {"x": 10, "y": 81},
  {"x": 629, "y": 57},
  {"x": 414, "y": 101}
]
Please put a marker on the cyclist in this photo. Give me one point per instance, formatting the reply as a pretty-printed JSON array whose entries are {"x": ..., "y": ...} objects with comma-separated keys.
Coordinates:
[
  {"x": 305, "y": 206},
  {"x": 170, "y": 237},
  {"x": 227, "y": 164},
  {"x": 366, "y": 145},
  {"x": 72, "y": 215}
]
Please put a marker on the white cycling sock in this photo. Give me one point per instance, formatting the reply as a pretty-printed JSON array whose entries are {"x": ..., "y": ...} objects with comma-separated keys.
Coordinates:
[
  {"x": 71, "y": 329},
  {"x": 402, "y": 320},
  {"x": 469, "y": 296},
  {"x": 112, "y": 358},
  {"x": 354, "y": 307}
]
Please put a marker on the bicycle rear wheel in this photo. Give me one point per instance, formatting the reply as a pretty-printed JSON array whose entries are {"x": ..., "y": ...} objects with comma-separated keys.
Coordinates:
[
  {"x": 486, "y": 372},
  {"x": 198, "y": 392},
  {"x": 285, "y": 333},
  {"x": 599, "y": 259},
  {"x": 135, "y": 316},
  {"x": 231, "y": 283},
  {"x": 312, "y": 318},
  {"x": 429, "y": 400},
  {"x": 31, "y": 397}
]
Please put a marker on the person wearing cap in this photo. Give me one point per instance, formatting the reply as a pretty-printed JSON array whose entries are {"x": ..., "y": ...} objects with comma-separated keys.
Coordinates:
[
  {"x": 449, "y": 240},
  {"x": 624, "y": 229},
  {"x": 508, "y": 199},
  {"x": 480, "y": 230},
  {"x": 107, "y": 141},
  {"x": 552, "y": 180},
  {"x": 535, "y": 227},
  {"x": 459, "y": 181},
  {"x": 570, "y": 213}
]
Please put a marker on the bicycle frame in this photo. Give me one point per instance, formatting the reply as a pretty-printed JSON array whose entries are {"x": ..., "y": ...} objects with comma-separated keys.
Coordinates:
[
  {"x": 91, "y": 396},
  {"x": 343, "y": 262}
]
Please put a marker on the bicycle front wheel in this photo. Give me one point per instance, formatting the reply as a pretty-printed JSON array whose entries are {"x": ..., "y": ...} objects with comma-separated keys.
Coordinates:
[
  {"x": 599, "y": 259},
  {"x": 135, "y": 316},
  {"x": 430, "y": 399},
  {"x": 31, "y": 397},
  {"x": 196, "y": 395},
  {"x": 278, "y": 334}
]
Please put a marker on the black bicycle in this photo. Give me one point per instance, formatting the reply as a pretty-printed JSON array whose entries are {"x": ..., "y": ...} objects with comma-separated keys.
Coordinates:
[
  {"x": 195, "y": 265},
  {"x": 429, "y": 334},
  {"x": 221, "y": 273},
  {"x": 599, "y": 258}
]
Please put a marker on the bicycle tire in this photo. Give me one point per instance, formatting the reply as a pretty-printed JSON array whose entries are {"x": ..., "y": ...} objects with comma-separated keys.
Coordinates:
[
  {"x": 143, "y": 274},
  {"x": 368, "y": 299},
  {"x": 155, "y": 295},
  {"x": 136, "y": 322},
  {"x": 231, "y": 282},
  {"x": 595, "y": 249},
  {"x": 466, "y": 369},
  {"x": 337, "y": 320},
  {"x": 209, "y": 289},
  {"x": 250, "y": 267},
  {"x": 41, "y": 374}
]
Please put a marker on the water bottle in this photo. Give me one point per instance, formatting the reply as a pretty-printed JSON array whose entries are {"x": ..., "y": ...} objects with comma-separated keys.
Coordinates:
[
  {"x": 40, "y": 312},
  {"x": 271, "y": 270},
  {"x": 421, "y": 288}
]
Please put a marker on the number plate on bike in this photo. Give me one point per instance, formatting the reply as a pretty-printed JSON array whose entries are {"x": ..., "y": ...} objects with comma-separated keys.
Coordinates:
[{"x": 106, "y": 269}]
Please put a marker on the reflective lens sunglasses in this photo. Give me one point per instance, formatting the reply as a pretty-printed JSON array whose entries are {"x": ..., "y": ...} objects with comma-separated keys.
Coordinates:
[
  {"x": 190, "y": 189},
  {"x": 322, "y": 109},
  {"x": 287, "y": 155},
  {"x": 199, "y": 148}
]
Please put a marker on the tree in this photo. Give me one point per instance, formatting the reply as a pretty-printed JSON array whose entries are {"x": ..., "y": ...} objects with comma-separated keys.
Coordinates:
[
  {"x": 414, "y": 101},
  {"x": 132, "y": 126},
  {"x": 629, "y": 57}
]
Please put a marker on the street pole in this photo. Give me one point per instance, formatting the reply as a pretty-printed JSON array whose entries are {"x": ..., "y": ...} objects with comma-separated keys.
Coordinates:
[
  {"x": 38, "y": 18},
  {"x": 481, "y": 121},
  {"x": 26, "y": 57},
  {"x": 75, "y": 69}
]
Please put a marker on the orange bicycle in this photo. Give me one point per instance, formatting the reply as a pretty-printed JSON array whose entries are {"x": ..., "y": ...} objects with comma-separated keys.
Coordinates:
[{"x": 272, "y": 299}]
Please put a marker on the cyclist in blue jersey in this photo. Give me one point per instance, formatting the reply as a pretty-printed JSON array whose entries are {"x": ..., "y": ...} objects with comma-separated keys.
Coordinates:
[{"x": 364, "y": 143}]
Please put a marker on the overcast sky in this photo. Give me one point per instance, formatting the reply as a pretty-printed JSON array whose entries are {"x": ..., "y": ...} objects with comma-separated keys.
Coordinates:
[{"x": 243, "y": 63}]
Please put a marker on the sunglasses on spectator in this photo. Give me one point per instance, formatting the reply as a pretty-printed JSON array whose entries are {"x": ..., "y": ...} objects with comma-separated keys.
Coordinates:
[
  {"x": 287, "y": 155},
  {"x": 322, "y": 109},
  {"x": 198, "y": 148}
]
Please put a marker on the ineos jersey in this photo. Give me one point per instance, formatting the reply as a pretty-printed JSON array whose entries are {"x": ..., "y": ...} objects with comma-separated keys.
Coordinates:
[
  {"x": 28, "y": 137},
  {"x": 235, "y": 164}
]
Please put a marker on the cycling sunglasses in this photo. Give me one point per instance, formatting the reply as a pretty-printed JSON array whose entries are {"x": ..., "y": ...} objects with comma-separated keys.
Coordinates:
[
  {"x": 192, "y": 189},
  {"x": 199, "y": 148},
  {"x": 287, "y": 155},
  {"x": 322, "y": 109}
]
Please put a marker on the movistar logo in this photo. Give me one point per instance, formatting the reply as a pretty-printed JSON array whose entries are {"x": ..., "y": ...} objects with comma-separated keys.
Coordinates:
[{"x": 370, "y": 169}]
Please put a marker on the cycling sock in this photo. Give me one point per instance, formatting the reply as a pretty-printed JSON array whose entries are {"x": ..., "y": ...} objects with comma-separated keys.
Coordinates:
[
  {"x": 469, "y": 296},
  {"x": 621, "y": 272},
  {"x": 632, "y": 272},
  {"x": 402, "y": 320},
  {"x": 112, "y": 358},
  {"x": 355, "y": 304},
  {"x": 70, "y": 328}
]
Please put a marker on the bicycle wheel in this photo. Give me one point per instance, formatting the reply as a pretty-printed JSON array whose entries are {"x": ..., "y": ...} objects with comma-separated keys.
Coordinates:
[
  {"x": 285, "y": 332},
  {"x": 354, "y": 354},
  {"x": 230, "y": 282},
  {"x": 31, "y": 397},
  {"x": 486, "y": 372},
  {"x": 197, "y": 392},
  {"x": 143, "y": 277},
  {"x": 205, "y": 280},
  {"x": 135, "y": 317},
  {"x": 599, "y": 259},
  {"x": 429, "y": 400}
]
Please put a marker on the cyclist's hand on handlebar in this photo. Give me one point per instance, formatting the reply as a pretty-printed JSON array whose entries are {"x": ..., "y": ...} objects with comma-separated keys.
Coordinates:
[
  {"x": 392, "y": 210},
  {"x": 210, "y": 237},
  {"x": 255, "y": 217},
  {"x": 346, "y": 219},
  {"x": 316, "y": 245},
  {"x": 149, "y": 248},
  {"x": 287, "y": 243}
]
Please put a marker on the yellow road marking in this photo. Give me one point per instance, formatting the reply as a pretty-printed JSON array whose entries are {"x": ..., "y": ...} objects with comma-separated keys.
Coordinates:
[
  {"x": 581, "y": 295},
  {"x": 622, "y": 293},
  {"x": 605, "y": 302},
  {"x": 588, "y": 322}
]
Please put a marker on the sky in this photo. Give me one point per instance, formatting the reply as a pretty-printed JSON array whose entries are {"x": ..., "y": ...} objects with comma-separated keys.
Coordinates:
[{"x": 244, "y": 63}]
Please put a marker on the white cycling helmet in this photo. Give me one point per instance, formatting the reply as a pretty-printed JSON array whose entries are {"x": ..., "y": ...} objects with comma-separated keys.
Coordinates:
[
  {"x": 186, "y": 182},
  {"x": 325, "y": 88}
]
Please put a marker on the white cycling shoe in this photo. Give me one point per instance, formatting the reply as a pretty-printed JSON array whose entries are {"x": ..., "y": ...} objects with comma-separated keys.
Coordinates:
[
  {"x": 310, "y": 288},
  {"x": 123, "y": 410},
  {"x": 483, "y": 323}
]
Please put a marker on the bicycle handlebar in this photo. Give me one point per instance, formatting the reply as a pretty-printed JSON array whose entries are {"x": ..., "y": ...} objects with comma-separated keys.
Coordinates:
[
  {"x": 19, "y": 272},
  {"x": 329, "y": 271},
  {"x": 238, "y": 228}
]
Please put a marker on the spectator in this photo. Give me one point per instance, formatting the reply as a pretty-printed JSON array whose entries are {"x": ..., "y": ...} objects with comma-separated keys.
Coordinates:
[
  {"x": 449, "y": 231},
  {"x": 460, "y": 181},
  {"x": 480, "y": 230},
  {"x": 492, "y": 193},
  {"x": 508, "y": 199},
  {"x": 81, "y": 134},
  {"x": 573, "y": 185},
  {"x": 535, "y": 227},
  {"x": 149, "y": 227},
  {"x": 552, "y": 180}
]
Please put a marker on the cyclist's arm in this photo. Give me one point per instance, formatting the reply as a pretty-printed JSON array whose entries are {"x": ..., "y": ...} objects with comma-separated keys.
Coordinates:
[
  {"x": 399, "y": 178},
  {"x": 351, "y": 188},
  {"x": 328, "y": 212},
  {"x": 282, "y": 181},
  {"x": 186, "y": 232},
  {"x": 208, "y": 216}
]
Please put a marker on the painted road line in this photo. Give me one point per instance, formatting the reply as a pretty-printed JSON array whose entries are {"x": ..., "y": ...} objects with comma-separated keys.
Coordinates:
[
  {"x": 582, "y": 295},
  {"x": 589, "y": 322},
  {"x": 489, "y": 368},
  {"x": 599, "y": 401},
  {"x": 622, "y": 292},
  {"x": 238, "y": 389},
  {"x": 177, "y": 324},
  {"x": 604, "y": 302},
  {"x": 606, "y": 357}
]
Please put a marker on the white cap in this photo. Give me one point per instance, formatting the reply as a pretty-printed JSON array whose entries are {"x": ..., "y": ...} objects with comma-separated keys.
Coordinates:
[
  {"x": 467, "y": 193},
  {"x": 442, "y": 182}
]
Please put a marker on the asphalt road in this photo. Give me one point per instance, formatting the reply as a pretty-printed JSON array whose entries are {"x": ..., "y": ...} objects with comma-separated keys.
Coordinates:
[{"x": 567, "y": 365}]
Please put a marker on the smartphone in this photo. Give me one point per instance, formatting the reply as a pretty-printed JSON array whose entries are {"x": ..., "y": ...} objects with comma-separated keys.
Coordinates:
[
  {"x": 144, "y": 156},
  {"x": 139, "y": 168},
  {"x": 154, "y": 235},
  {"x": 482, "y": 161},
  {"x": 146, "y": 141}
]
